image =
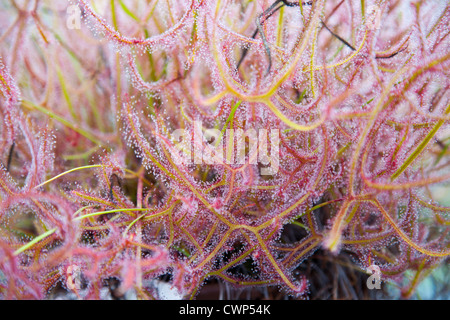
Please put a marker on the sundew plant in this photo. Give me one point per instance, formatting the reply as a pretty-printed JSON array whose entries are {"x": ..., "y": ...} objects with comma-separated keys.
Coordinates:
[{"x": 196, "y": 142}]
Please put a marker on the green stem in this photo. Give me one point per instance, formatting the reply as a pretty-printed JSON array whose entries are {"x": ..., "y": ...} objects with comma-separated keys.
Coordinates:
[
  {"x": 84, "y": 133},
  {"x": 420, "y": 148}
]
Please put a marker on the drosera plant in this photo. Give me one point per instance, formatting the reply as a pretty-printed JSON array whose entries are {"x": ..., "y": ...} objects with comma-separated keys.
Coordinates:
[{"x": 96, "y": 188}]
